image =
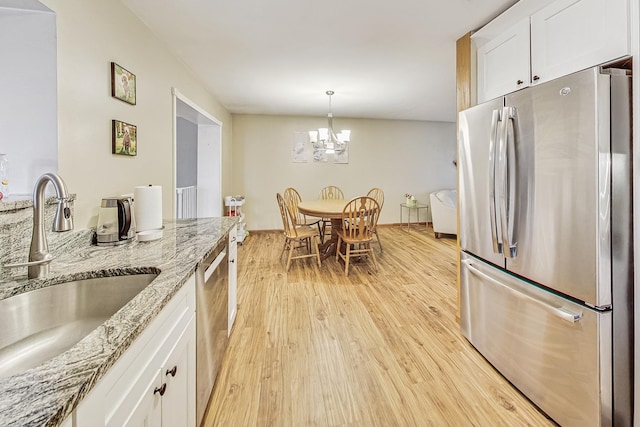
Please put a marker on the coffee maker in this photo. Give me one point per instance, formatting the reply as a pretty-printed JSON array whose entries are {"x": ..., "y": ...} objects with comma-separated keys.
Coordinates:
[{"x": 116, "y": 223}]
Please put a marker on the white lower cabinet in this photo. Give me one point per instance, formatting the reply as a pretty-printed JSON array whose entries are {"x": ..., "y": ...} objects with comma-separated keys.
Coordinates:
[
  {"x": 233, "y": 277},
  {"x": 164, "y": 402},
  {"x": 153, "y": 382},
  {"x": 178, "y": 374}
]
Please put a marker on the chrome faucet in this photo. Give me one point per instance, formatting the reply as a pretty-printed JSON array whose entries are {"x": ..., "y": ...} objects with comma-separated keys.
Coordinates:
[{"x": 39, "y": 256}]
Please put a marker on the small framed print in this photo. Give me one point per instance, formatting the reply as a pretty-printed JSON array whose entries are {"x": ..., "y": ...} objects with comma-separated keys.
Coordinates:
[
  {"x": 123, "y": 84},
  {"x": 124, "y": 138}
]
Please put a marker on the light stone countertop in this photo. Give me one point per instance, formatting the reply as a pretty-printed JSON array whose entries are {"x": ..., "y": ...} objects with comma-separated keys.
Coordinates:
[{"x": 47, "y": 394}]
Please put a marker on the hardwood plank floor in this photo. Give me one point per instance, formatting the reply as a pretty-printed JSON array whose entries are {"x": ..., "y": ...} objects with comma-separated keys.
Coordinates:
[{"x": 312, "y": 347}]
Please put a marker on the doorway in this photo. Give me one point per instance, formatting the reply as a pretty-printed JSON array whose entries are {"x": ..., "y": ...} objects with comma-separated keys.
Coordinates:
[{"x": 197, "y": 143}]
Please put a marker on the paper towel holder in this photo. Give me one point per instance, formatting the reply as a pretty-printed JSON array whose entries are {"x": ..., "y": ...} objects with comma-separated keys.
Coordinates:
[{"x": 148, "y": 208}]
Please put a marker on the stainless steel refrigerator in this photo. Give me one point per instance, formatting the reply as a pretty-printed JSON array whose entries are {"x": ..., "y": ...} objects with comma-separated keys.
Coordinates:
[{"x": 546, "y": 240}]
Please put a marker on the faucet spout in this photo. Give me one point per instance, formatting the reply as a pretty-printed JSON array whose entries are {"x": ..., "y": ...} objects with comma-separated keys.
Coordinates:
[{"x": 39, "y": 252}]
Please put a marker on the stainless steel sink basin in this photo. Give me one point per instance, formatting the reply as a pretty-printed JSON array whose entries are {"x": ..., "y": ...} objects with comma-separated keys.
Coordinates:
[{"x": 38, "y": 325}]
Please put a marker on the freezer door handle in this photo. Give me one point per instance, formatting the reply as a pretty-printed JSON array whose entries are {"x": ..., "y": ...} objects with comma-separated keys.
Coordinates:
[
  {"x": 559, "y": 312},
  {"x": 496, "y": 239}
]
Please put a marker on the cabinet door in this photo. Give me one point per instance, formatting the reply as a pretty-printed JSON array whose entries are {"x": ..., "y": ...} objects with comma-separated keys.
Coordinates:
[
  {"x": 233, "y": 277},
  {"x": 571, "y": 35},
  {"x": 178, "y": 373},
  {"x": 503, "y": 63},
  {"x": 147, "y": 410},
  {"x": 125, "y": 395}
]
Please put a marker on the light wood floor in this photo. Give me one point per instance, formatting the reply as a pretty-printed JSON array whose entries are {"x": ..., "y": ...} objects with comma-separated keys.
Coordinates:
[{"x": 312, "y": 347}]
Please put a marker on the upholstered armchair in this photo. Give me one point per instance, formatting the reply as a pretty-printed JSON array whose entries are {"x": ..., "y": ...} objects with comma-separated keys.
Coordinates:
[{"x": 443, "y": 212}]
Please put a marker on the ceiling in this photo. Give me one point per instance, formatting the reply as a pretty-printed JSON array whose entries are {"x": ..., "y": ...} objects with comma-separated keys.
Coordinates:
[{"x": 384, "y": 59}]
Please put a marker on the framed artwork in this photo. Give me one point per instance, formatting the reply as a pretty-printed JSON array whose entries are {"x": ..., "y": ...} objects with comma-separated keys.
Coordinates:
[
  {"x": 123, "y": 84},
  {"x": 299, "y": 151},
  {"x": 124, "y": 138},
  {"x": 341, "y": 154}
]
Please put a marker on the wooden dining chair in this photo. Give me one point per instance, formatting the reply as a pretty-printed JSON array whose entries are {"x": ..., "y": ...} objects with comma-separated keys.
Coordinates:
[
  {"x": 297, "y": 237},
  {"x": 292, "y": 199},
  {"x": 329, "y": 192},
  {"x": 359, "y": 219},
  {"x": 378, "y": 195}
]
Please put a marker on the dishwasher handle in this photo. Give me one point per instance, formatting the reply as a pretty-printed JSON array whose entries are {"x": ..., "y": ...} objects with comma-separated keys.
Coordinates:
[{"x": 214, "y": 265}]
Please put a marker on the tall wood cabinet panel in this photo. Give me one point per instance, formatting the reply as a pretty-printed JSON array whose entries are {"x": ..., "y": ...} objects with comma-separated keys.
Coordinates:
[
  {"x": 571, "y": 35},
  {"x": 465, "y": 79}
]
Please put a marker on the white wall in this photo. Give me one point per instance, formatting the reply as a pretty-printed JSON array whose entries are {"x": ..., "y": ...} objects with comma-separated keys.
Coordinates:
[
  {"x": 398, "y": 156},
  {"x": 92, "y": 34}
]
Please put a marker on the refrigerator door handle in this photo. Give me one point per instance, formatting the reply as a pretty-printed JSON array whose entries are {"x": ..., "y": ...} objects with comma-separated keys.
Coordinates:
[
  {"x": 507, "y": 185},
  {"x": 510, "y": 181},
  {"x": 559, "y": 312},
  {"x": 496, "y": 239},
  {"x": 501, "y": 181}
]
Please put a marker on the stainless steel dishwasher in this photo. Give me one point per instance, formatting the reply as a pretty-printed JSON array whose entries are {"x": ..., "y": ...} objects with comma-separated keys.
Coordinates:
[{"x": 212, "y": 293}]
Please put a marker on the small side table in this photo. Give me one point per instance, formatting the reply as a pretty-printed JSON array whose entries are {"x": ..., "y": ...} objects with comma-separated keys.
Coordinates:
[{"x": 417, "y": 208}]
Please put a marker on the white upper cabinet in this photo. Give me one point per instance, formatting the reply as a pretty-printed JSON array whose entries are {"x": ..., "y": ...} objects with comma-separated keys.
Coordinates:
[
  {"x": 546, "y": 40},
  {"x": 571, "y": 35},
  {"x": 503, "y": 62}
]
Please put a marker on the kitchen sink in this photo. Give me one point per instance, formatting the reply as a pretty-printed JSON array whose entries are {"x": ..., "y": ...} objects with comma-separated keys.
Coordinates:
[{"x": 41, "y": 324}]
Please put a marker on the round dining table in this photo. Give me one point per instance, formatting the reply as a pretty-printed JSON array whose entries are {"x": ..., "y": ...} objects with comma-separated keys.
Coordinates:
[{"x": 326, "y": 208}]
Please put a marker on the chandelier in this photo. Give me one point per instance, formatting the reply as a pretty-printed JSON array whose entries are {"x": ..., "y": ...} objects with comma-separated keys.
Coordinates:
[{"x": 326, "y": 138}]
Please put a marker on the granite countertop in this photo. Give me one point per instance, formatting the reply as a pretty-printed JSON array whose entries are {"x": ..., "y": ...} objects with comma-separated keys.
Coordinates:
[{"x": 47, "y": 394}]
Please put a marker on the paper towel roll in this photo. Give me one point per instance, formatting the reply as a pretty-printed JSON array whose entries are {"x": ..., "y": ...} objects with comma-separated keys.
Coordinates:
[{"x": 148, "y": 207}]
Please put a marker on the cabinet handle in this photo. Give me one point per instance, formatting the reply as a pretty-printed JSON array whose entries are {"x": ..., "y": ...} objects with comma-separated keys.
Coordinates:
[
  {"x": 161, "y": 389},
  {"x": 536, "y": 78},
  {"x": 519, "y": 82},
  {"x": 172, "y": 371},
  {"x": 233, "y": 240}
]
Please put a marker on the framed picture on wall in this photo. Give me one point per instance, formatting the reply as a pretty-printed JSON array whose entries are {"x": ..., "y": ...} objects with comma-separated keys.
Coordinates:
[
  {"x": 123, "y": 84},
  {"x": 124, "y": 138}
]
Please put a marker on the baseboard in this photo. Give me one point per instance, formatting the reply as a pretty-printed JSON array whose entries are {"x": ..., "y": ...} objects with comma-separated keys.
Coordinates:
[{"x": 393, "y": 224}]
